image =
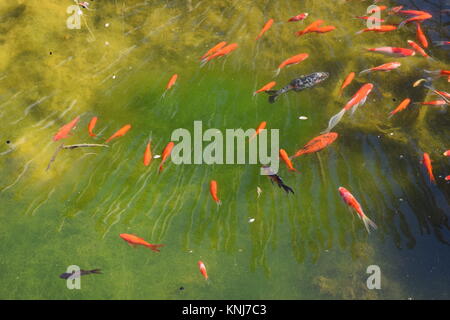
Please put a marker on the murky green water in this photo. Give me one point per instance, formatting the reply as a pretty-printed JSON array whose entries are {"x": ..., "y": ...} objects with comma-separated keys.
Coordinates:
[{"x": 305, "y": 246}]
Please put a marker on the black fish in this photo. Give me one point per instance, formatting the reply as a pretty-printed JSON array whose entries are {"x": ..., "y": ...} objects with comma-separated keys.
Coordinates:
[
  {"x": 66, "y": 275},
  {"x": 276, "y": 178},
  {"x": 299, "y": 84}
]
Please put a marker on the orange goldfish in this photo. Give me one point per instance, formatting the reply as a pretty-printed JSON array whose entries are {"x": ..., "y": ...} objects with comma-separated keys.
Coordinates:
[
  {"x": 265, "y": 28},
  {"x": 447, "y": 153},
  {"x": 384, "y": 67},
  {"x": 65, "y": 129},
  {"x": 418, "y": 49},
  {"x": 261, "y": 127},
  {"x": 401, "y": 106},
  {"x": 134, "y": 241},
  {"x": 421, "y": 36},
  {"x": 419, "y": 18},
  {"x": 347, "y": 81},
  {"x": 147, "y": 155},
  {"x": 383, "y": 28},
  {"x": 434, "y": 103},
  {"x": 317, "y": 144},
  {"x": 213, "y": 191},
  {"x": 172, "y": 81},
  {"x": 285, "y": 157},
  {"x": 202, "y": 268},
  {"x": 266, "y": 87},
  {"x": 91, "y": 126},
  {"x": 447, "y": 178},
  {"x": 310, "y": 27},
  {"x": 214, "y": 49},
  {"x": 219, "y": 53},
  {"x": 292, "y": 60},
  {"x": 357, "y": 100},
  {"x": 323, "y": 29},
  {"x": 426, "y": 161},
  {"x": 119, "y": 133},
  {"x": 350, "y": 200},
  {"x": 166, "y": 153}
]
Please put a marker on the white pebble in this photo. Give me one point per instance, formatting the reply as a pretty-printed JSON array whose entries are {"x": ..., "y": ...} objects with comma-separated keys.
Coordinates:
[
  {"x": 251, "y": 220},
  {"x": 303, "y": 118},
  {"x": 106, "y": 25},
  {"x": 156, "y": 156},
  {"x": 114, "y": 76}
]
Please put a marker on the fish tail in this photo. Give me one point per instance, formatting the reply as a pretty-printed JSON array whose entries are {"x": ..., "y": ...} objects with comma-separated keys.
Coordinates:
[
  {"x": 334, "y": 121},
  {"x": 154, "y": 247},
  {"x": 359, "y": 32},
  {"x": 274, "y": 97},
  {"x": 368, "y": 223},
  {"x": 401, "y": 24},
  {"x": 286, "y": 188},
  {"x": 96, "y": 271},
  {"x": 364, "y": 71},
  {"x": 277, "y": 72}
]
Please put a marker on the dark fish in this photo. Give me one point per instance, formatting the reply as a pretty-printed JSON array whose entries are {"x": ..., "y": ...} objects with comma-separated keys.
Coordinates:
[
  {"x": 299, "y": 84},
  {"x": 66, "y": 275},
  {"x": 277, "y": 179}
]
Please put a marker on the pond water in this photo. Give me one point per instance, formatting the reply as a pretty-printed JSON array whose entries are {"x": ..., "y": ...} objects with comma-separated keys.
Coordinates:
[{"x": 300, "y": 246}]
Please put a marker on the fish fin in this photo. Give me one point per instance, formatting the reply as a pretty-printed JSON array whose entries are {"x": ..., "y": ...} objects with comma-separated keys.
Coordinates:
[
  {"x": 287, "y": 188},
  {"x": 277, "y": 72},
  {"x": 334, "y": 121},
  {"x": 401, "y": 24},
  {"x": 359, "y": 32},
  {"x": 273, "y": 98},
  {"x": 355, "y": 107},
  {"x": 364, "y": 71},
  {"x": 369, "y": 223}
]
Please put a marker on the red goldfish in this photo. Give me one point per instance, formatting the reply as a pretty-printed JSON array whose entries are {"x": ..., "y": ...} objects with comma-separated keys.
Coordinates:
[
  {"x": 403, "y": 105},
  {"x": 213, "y": 191},
  {"x": 202, "y": 268},
  {"x": 323, "y": 29},
  {"x": 292, "y": 60},
  {"x": 119, "y": 133},
  {"x": 65, "y": 129},
  {"x": 357, "y": 100},
  {"x": 317, "y": 144},
  {"x": 394, "y": 52},
  {"x": 134, "y": 241},
  {"x": 285, "y": 157},
  {"x": 265, "y": 28},
  {"x": 347, "y": 81},
  {"x": 214, "y": 49},
  {"x": 384, "y": 67},
  {"x": 147, "y": 155},
  {"x": 426, "y": 161},
  {"x": 434, "y": 103},
  {"x": 266, "y": 87},
  {"x": 299, "y": 17},
  {"x": 447, "y": 153},
  {"x": 350, "y": 200}
]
